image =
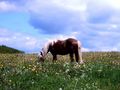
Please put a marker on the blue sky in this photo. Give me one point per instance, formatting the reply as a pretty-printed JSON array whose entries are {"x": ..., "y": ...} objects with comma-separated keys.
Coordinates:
[{"x": 28, "y": 24}]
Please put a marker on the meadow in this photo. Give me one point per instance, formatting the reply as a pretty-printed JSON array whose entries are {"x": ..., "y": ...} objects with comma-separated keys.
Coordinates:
[{"x": 100, "y": 71}]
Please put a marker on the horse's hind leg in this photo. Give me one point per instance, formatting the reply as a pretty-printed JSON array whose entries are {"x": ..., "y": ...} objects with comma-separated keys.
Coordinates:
[{"x": 77, "y": 56}]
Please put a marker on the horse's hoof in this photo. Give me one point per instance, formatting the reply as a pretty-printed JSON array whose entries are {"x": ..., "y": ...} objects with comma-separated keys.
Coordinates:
[{"x": 81, "y": 62}]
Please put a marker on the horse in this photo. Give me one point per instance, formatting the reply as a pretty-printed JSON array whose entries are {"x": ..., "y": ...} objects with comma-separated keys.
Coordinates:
[{"x": 69, "y": 46}]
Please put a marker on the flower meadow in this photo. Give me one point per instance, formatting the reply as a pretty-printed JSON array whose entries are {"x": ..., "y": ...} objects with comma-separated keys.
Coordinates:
[{"x": 100, "y": 71}]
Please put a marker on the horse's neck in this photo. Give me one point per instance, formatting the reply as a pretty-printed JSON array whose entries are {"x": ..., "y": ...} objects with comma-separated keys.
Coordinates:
[
  {"x": 47, "y": 45},
  {"x": 46, "y": 48}
]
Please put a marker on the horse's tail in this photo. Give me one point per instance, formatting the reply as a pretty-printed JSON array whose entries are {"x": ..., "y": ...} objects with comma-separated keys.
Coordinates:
[{"x": 80, "y": 51}]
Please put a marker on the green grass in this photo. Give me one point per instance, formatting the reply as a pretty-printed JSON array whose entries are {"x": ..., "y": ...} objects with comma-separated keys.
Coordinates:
[{"x": 101, "y": 71}]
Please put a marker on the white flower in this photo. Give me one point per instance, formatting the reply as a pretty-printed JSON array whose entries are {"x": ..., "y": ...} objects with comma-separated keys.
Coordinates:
[
  {"x": 67, "y": 70},
  {"x": 60, "y": 88}
]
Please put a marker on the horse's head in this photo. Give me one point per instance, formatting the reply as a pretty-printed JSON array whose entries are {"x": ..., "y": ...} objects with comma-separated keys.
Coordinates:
[
  {"x": 43, "y": 52},
  {"x": 41, "y": 56}
]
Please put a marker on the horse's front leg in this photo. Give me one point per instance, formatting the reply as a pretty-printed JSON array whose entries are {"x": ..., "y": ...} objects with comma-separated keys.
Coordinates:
[
  {"x": 54, "y": 58},
  {"x": 71, "y": 57}
]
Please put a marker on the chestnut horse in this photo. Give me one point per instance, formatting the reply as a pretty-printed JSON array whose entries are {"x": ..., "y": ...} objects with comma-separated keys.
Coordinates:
[{"x": 62, "y": 47}]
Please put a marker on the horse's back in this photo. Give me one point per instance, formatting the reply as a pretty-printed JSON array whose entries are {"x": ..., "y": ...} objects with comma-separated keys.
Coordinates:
[{"x": 70, "y": 42}]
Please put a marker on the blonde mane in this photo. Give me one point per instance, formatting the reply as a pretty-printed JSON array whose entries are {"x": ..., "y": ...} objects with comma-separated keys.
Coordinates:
[{"x": 46, "y": 46}]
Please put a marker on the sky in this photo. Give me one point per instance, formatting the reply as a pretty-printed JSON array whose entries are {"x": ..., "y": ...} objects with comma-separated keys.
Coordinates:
[{"x": 28, "y": 24}]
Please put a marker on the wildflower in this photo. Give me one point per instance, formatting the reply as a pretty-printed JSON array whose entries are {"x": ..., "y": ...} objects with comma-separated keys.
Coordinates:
[
  {"x": 57, "y": 73},
  {"x": 60, "y": 88},
  {"x": 66, "y": 64},
  {"x": 23, "y": 67},
  {"x": 35, "y": 66},
  {"x": 100, "y": 70},
  {"x": 76, "y": 65},
  {"x": 3, "y": 74},
  {"x": 32, "y": 82},
  {"x": 29, "y": 65},
  {"x": 33, "y": 69},
  {"x": 29, "y": 68},
  {"x": 10, "y": 81},
  {"x": 67, "y": 70},
  {"x": 1, "y": 66},
  {"x": 37, "y": 74}
]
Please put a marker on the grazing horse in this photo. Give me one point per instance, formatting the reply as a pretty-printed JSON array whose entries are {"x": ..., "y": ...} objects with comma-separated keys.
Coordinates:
[{"x": 62, "y": 47}]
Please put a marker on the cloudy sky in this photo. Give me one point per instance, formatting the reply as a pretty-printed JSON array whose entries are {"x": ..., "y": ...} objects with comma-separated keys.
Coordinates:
[{"x": 28, "y": 24}]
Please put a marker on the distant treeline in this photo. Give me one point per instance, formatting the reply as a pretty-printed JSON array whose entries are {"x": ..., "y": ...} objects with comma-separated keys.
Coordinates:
[{"x": 6, "y": 49}]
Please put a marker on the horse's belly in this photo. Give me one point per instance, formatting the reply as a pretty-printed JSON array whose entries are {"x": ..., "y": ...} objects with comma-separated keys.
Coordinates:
[{"x": 62, "y": 52}]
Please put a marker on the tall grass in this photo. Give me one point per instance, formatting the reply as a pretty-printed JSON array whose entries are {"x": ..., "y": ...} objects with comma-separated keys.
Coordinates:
[{"x": 101, "y": 71}]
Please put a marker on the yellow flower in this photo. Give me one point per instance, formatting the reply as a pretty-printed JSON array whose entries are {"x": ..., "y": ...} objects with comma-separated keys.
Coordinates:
[
  {"x": 33, "y": 69},
  {"x": 29, "y": 65},
  {"x": 35, "y": 66},
  {"x": 1, "y": 65}
]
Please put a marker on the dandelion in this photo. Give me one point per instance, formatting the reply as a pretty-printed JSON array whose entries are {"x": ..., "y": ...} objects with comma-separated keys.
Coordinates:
[
  {"x": 23, "y": 67},
  {"x": 29, "y": 68},
  {"x": 35, "y": 66},
  {"x": 60, "y": 88},
  {"x": 29, "y": 65},
  {"x": 57, "y": 73},
  {"x": 10, "y": 81},
  {"x": 100, "y": 70},
  {"x": 32, "y": 82},
  {"x": 67, "y": 70},
  {"x": 66, "y": 64},
  {"x": 33, "y": 69},
  {"x": 1, "y": 65},
  {"x": 76, "y": 65},
  {"x": 37, "y": 74},
  {"x": 3, "y": 74}
]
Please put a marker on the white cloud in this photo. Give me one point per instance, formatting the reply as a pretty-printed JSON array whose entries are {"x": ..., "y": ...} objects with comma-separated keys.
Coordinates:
[
  {"x": 85, "y": 49},
  {"x": 6, "y": 6},
  {"x": 114, "y": 3},
  {"x": 19, "y": 40},
  {"x": 72, "y": 5}
]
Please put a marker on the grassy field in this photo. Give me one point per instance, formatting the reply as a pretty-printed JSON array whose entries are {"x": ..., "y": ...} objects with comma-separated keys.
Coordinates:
[{"x": 101, "y": 71}]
